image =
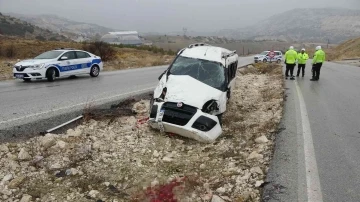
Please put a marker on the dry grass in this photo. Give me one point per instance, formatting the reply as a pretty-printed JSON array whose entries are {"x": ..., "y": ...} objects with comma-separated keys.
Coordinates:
[{"x": 348, "y": 49}]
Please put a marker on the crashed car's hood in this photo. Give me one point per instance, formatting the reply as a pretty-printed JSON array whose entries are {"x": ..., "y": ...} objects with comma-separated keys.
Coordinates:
[
  {"x": 190, "y": 91},
  {"x": 32, "y": 62}
]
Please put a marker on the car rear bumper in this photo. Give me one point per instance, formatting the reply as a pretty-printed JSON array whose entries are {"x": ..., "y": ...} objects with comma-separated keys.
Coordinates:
[{"x": 188, "y": 129}]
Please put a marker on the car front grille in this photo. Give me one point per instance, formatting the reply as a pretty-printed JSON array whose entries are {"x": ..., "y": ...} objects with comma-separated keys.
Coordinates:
[
  {"x": 20, "y": 68},
  {"x": 178, "y": 115}
]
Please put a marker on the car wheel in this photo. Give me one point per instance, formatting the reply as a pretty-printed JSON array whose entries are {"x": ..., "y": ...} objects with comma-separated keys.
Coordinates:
[
  {"x": 27, "y": 80},
  {"x": 51, "y": 74},
  {"x": 94, "y": 72},
  {"x": 278, "y": 61},
  {"x": 264, "y": 60}
]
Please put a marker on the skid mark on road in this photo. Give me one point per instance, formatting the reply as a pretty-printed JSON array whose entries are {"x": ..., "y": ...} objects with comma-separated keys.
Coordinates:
[
  {"x": 313, "y": 187},
  {"x": 76, "y": 105}
]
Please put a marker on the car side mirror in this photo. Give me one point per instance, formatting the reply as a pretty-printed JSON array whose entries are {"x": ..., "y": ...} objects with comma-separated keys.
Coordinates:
[{"x": 63, "y": 58}]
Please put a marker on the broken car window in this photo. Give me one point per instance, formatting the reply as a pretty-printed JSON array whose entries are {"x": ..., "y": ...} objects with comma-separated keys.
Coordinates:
[{"x": 210, "y": 73}]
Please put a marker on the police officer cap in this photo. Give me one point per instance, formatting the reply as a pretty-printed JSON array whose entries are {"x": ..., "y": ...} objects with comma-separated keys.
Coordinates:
[
  {"x": 318, "y": 47},
  {"x": 291, "y": 48}
]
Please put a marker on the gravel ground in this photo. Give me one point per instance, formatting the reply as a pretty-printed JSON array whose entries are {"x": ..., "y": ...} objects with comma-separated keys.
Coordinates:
[{"x": 122, "y": 159}]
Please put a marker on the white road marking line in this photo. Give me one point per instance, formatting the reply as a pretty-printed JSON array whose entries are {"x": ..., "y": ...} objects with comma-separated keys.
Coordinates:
[
  {"x": 71, "y": 106},
  {"x": 313, "y": 186}
]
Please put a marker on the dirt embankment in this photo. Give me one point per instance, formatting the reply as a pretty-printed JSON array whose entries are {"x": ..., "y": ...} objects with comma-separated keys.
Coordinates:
[{"x": 122, "y": 159}]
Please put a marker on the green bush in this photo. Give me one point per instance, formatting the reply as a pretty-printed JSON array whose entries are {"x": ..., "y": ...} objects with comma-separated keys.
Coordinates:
[{"x": 102, "y": 49}]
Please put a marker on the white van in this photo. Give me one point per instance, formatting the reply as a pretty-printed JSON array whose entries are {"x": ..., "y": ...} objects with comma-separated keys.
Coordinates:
[{"x": 192, "y": 93}]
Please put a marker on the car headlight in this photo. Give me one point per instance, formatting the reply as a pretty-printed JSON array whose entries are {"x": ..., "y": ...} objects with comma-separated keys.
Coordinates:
[{"x": 38, "y": 66}]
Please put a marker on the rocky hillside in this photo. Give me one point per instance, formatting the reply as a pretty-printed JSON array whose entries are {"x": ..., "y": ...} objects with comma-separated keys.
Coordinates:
[
  {"x": 72, "y": 29},
  {"x": 10, "y": 26},
  {"x": 310, "y": 25}
]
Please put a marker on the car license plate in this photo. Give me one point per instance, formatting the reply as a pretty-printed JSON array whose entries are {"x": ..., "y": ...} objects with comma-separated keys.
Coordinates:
[{"x": 19, "y": 76}]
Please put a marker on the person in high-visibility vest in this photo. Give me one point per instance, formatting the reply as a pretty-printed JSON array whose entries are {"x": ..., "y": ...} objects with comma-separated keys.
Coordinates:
[
  {"x": 318, "y": 60},
  {"x": 302, "y": 58},
  {"x": 290, "y": 61}
]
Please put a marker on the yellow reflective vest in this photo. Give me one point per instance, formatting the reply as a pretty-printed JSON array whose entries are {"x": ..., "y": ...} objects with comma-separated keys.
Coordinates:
[{"x": 302, "y": 58}]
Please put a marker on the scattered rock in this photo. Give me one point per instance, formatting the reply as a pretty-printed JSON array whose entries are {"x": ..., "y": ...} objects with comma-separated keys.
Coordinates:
[
  {"x": 37, "y": 161},
  {"x": 26, "y": 198},
  {"x": 202, "y": 166},
  {"x": 141, "y": 107},
  {"x": 261, "y": 140},
  {"x": 154, "y": 183},
  {"x": 61, "y": 144},
  {"x": 55, "y": 166},
  {"x": 256, "y": 170},
  {"x": 259, "y": 183},
  {"x": 4, "y": 148},
  {"x": 255, "y": 155},
  {"x": 7, "y": 177},
  {"x": 74, "y": 133},
  {"x": 23, "y": 155},
  {"x": 156, "y": 154},
  {"x": 48, "y": 141},
  {"x": 221, "y": 190},
  {"x": 15, "y": 183},
  {"x": 216, "y": 198},
  {"x": 93, "y": 193},
  {"x": 107, "y": 184}
]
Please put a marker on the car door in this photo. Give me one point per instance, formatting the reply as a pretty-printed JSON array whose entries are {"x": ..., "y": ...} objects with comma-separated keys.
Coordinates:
[
  {"x": 84, "y": 60},
  {"x": 68, "y": 64}
]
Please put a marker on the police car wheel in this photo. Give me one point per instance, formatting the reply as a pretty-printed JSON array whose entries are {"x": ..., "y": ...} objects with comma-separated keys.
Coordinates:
[
  {"x": 279, "y": 61},
  {"x": 50, "y": 74},
  {"x": 94, "y": 72},
  {"x": 264, "y": 60}
]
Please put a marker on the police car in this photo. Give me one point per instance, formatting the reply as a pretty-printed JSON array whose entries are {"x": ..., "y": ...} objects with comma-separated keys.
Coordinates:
[
  {"x": 58, "y": 63},
  {"x": 193, "y": 92},
  {"x": 264, "y": 57}
]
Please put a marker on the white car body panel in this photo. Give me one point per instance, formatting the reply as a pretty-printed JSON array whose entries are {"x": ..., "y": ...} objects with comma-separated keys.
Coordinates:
[
  {"x": 187, "y": 130},
  {"x": 190, "y": 91},
  {"x": 64, "y": 67},
  {"x": 184, "y": 89}
]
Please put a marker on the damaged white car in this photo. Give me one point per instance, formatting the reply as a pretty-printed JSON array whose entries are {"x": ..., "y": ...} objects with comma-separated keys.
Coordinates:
[{"x": 192, "y": 94}]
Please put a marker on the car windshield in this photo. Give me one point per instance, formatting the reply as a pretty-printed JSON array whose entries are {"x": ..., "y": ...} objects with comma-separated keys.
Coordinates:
[
  {"x": 49, "y": 55},
  {"x": 210, "y": 73},
  {"x": 264, "y": 53}
]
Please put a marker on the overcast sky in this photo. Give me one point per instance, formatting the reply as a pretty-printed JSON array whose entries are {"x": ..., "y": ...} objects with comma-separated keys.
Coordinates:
[{"x": 167, "y": 15}]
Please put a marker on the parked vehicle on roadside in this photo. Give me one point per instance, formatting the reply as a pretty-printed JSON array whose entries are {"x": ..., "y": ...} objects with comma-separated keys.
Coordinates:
[
  {"x": 192, "y": 93},
  {"x": 265, "y": 57},
  {"x": 58, "y": 63}
]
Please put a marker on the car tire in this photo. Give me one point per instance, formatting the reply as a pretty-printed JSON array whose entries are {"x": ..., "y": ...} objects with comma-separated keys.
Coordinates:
[
  {"x": 94, "y": 71},
  {"x": 51, "y": 74},
  {"x": 279, "y": 61},
  {"x": 264, "y": 60}
]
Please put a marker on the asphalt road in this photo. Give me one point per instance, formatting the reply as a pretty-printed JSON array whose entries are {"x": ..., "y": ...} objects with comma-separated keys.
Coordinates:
[
  {"x": 39, "y": 101},
  {"x": 317, "y": 154}
]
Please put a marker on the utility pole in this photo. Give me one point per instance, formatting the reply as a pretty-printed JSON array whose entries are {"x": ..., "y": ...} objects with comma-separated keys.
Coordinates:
[{"x": 328, "y": 41}]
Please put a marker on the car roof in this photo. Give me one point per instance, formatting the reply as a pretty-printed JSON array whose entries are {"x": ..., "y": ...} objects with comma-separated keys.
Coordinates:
[
  {"x": 206, "y": 52},
  {"x": 67, "y": 49}
]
